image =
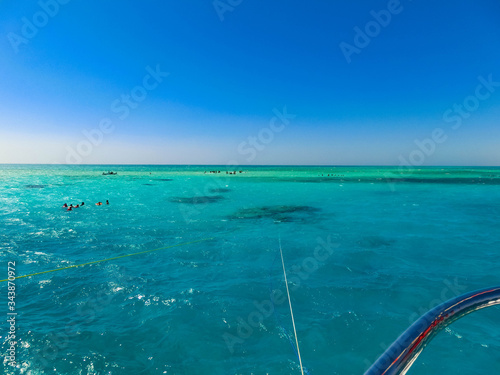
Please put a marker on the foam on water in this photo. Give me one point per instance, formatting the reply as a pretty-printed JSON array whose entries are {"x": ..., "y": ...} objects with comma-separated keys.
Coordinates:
[{"x": 391, "y": 246}]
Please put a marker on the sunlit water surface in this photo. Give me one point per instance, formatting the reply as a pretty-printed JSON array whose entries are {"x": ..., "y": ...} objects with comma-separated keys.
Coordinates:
[{"x": 367, "y": 251}]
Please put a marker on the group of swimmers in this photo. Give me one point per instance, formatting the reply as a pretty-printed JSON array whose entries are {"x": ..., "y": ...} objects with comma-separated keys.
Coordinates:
[
  {"x": 234, "y": 172},
  {"x": 70, "y": 207}
]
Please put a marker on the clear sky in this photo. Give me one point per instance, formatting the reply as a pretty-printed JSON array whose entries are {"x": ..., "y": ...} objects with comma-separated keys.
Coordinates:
[{"x": 250, "y": 82}]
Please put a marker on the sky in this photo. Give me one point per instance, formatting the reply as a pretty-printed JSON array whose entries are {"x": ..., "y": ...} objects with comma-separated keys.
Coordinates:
[{"x": 414, "y": 82}]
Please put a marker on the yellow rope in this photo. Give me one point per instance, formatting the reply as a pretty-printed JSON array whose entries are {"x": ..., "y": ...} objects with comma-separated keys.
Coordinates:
[{"x": 105, "y": 260}]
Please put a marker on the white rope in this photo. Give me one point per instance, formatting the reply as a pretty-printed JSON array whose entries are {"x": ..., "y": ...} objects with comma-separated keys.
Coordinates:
[{"x": 291, "y": 311}]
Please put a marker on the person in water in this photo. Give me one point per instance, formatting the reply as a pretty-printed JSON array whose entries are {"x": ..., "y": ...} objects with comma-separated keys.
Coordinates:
[
  {"x": 82, "y": 204},
  {"x": 65, "y": 205},
  {"x": 70, "y": 208},
  {"x": 98, "y": 204},
  {"x": 107, "y": 202}
]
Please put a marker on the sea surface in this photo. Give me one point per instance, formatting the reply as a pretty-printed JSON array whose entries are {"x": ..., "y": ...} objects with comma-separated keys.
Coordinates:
[{"x": 367, "y": 250}]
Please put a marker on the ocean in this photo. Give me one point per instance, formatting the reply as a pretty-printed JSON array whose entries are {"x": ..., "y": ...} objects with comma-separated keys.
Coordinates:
[{"x": 367, "y": 251}]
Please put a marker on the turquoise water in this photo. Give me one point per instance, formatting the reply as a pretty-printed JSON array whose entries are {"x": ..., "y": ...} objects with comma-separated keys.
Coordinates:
[{"x": 367, "y": 251}]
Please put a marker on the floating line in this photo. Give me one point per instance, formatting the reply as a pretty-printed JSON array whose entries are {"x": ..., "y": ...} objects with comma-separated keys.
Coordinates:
[
  {"x": 108, "y": 259},
  {"x": 291, "y": 311},
  {"x": 279, "y": 322}
]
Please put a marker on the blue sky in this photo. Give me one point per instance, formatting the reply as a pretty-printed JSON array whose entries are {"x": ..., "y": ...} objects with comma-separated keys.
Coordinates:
[{"x": 232, "y": 65}]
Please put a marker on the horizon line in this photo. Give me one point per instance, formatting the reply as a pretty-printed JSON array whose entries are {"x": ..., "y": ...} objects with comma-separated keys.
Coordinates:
[{"x": 268, "y": 165}]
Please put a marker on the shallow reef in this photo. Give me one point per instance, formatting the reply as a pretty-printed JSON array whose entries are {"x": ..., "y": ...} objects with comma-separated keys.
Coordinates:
[
  {"x": 281, "y": 213},
  {"x": 372, "y": 242},
  {"x": 220, "y": 190},
  {"x": 197, "y": 200}
]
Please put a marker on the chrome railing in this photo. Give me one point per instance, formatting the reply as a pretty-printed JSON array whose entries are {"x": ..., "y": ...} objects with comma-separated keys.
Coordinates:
[{"x": 399, "y": 357}]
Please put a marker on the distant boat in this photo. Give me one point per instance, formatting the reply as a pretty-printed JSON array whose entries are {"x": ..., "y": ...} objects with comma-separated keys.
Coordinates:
[{"x": 108, "y": 173}]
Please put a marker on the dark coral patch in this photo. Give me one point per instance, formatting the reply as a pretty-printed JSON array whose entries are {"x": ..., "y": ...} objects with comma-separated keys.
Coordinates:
[
  {"x": 197, "y": 200},
  {"x": 372, "y": 242},
  {"x": 277, "y": 213},
  {"x": 220, "y": 190}
]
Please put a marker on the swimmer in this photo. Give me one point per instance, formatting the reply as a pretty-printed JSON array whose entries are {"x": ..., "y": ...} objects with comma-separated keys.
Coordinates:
[
  {"x": 65, "y": 205},
  {"x": 83, "y": 203},
  {"x": 70, "y": 208},
  {"x": 98, "y": 204},
  {"x": 107, "y": 202},
  {"x": 77, "y": 206}
]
